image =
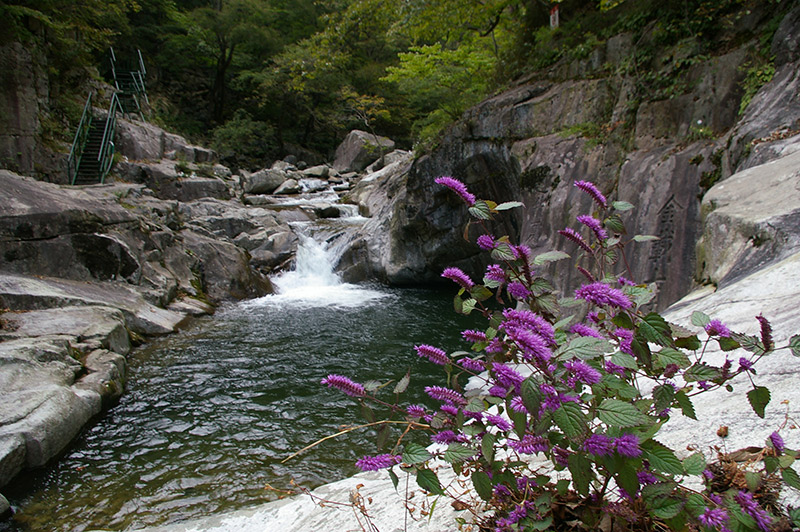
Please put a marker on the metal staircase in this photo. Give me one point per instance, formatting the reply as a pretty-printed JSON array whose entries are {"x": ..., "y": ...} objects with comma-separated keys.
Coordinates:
[{"x": 130, "y": 85}]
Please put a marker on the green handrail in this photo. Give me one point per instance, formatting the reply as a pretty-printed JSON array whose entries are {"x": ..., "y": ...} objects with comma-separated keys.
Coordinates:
[
  {"x": 76, "y": 151},
  {"x": 105, "y": 157}
]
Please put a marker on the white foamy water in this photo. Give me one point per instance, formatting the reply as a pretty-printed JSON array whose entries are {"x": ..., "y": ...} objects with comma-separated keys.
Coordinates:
[{"x": 313, "y": 283}]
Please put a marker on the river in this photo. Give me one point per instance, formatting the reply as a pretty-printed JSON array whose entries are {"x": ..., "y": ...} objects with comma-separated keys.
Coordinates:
[{"x": 211, "y": 412}]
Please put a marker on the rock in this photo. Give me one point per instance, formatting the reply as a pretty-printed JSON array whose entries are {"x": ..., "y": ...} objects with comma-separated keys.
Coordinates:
[
  {"x": 263, "y": 182},
  {"x": 29, "y": 363},
  {"x": 201, "y": 187},
  {"x": 191, "y": 306},
  {"x": 320, "y": 171},
  {"x": 5, "y": 508},
  {"x": 107, "y": 373},
  {"x": 359, "y": 149},
  {"x": 328, "y": 211},
  {"x": 290, "y": 186},
  {"x": 12, "y": 456}
]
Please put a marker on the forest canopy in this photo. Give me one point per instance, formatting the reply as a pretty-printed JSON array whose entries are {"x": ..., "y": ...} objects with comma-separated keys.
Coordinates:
[{"x": 258, "y": 79}]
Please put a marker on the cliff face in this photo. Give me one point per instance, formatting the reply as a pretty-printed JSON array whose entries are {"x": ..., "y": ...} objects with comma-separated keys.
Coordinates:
[{"x": 532, "y": 142}]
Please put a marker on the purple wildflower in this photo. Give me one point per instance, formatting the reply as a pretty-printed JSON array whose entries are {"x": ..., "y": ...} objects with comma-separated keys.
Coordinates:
[
  {"x": 751, "y": 508},
  {"x": 445, "y": 436},
  {"x": 646, "y": 477},
  {"x": 471, "y": 364},
  {"x": 670, "y": 370},
  {"x": 344, "y": 384},
  {"x": 624, "y": 281},
  {"x": 486, "y": 242},
  {"x": 561, "y": 456},
  {"x": 532, "y": 321},
  {"x": 583, "y": 372},
  {"x": 449, "y": 410},
  {"x": 713, "y": 518},
  {"x": 582, "y": 330},
  {"x": 501, "y": 490},
  {"x": 374, "y": 463},
  {"x": 494, "y": 272},
  {"x": 745, "y": 364},
  {"x": 571, "y": 234},
  {"x": 708, "y": 474},
  {"x": 434, "y": 354},
  {"x": 593, "y": 316},
  {"x": 533, "y": 346},
  {"x": 593, "y": 191},
  {"x": 473, "y": 415},
  {"x": 766, "y": 332},
  {"x": 518, "y": 405},
  {"x": 498, "y": 390},
  {"x": 627, "y": 445},
  {"x": 458, "y": 187},
  {"x": 415, "y": 410},
  {"x": 530, "y": 444},
  {"x": 586, "y": 273},
  {"x": 625, "y": 337},
  {"x": 474, "y": 336},
  {"x": 601, "y": 294},
  {"x": 518, "y": 291},
  {"x": 522, "y": 252},
  {"x": 777, "y": 442},
  {"x": 441, "y": 393},
  {"x": 703, "y": 385},
  {"x": 595, "y": 225},
  {"x": 717, "y": 328},
  {"x": 506, "y": 376},
  {"x": 716, "y": 498},
  {"x": 498, "y": 421},
  {"x": 597, "y": 444},
  {"x": 552, "y": 399},
  {"x": 614, "y": 369},
  {"x": 495, "y": 346},
  {"x": 458, "y": 276}
]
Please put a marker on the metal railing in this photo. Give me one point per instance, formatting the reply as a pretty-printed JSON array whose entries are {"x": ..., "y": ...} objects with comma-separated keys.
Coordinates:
[
  {"x": 105, "y": 156},
  {"x": 76, "y": 151}
]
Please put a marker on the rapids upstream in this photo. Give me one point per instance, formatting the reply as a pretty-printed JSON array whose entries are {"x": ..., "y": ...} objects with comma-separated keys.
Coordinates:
[{"x": 211, "y": 412}]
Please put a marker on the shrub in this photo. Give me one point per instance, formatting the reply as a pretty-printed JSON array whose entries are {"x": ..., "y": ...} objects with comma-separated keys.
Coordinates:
[{"x": 587, "y": 396}]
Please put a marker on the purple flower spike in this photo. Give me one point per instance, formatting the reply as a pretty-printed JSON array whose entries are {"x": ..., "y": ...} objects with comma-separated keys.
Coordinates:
[
  {"x": 598, "y": 445},
  {"x": 582, "y": 330},
  {"x": 519, "y": 291},
  {"x": 486, "y": 242},
  {"x": 628, "y": 445},
  {"x": 441, "y": 393},
  {"x": 593, "y": 224},
  {"x": 498, "y": 421},
  {"x": 751, "y": 508},
  {"x": 571, "y": 234},
  {"x": 530, "y": 444},
  {"x": 766, "y": 332},
  {"x": 458, "y": 187},
  {"x": 745, "y": 364},
  {"x": 583, "y": 372},
  {"x": 777, "y": 442},
  {"x": 717, "y": 328},
  {"x": 601, "y": 294},
  {"x": 474, "y": 336},
  {"x": 494, "y": 272},
  {"x": 344, "y": 384},
  {"x": 434, "y": 354},
  {"x": 593, "y": 191},
  {"x": 374, "y": 463},
  {"x": 415, "y": 410},
  {"x": 713, "y": 518},
  {"x": 457, "y": 275},
  {"x": 471, "y": 364}
]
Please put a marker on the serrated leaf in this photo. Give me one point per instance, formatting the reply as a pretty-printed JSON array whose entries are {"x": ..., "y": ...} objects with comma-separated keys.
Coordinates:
[
  {"x": 540, "y": 286},
  {"x": 550, "y": 256},
  {"x": 701, "y": 372},
  {"x": 480, "y": 210},
  {"x": 569, "y": 418},
  {"x": 483, "y": 485},
  {"x": 622, "y": 206},
  {"x": 687, "y": 408},
  {"x": 626, "y": 478},
  {"x": 759, "y": 399},
  {"x": 692, "y": 343},
  {"x": 700, "y": 319},
  {"x": 581, "y": 469},
  {"x": 794, "y": 515},
  {"x": 402, "y": 384},
  {"x": 616, "y": 413},
  {"x": 655, "y": 329},
  {"x": 509, "y": 205},
  {"x": 749, "y": 343},
  {"x": 372, "y": 385},
  {"x": 383, "y": 436},
  {"x": 367, "y": 413},
  {"x": 645, "y": 238},
  {"x": 414, "y": 453},
  {"x": 694, "y": 464},
  {"x": 457, "y": 452},
  {"x": 587, "y": 347},
  {"x": 625, "y": 360},
  {"x": 542, "y": 523},
  {"x": 427, "y": 480},
  {"x": 531, "y": 395},
  {"x": 641, "y": 295},
  {"x": 791, "y": 478},
  {"x": 794, "y": 345},
  {"x": 394, "y": 478},
  {"x": 665, "y": 507},
  {"x": 480, "y": 293},
  {"x": 669, "y": 355},
  {"x": 663, "y": 395},
  {"x": 468, "y": 306},
  {"x": 695, "y": 504},
  {"x": 727, "y": 344},
  {"x": 502, "y": 252},
  {"x": 662, "y": 458},
  {"x": 562, "y": 323},
  {"x": 753, "y": 480},
  {"x": 487, "y": 446},
  {"x": 614, "y": 223},
  {"x": 771, "y": 464}
]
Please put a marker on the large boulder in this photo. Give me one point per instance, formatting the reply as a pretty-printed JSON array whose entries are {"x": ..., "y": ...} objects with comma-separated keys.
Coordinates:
[
  {"x": 263, "y": 182},
  {"x": 359, "y": 149}
]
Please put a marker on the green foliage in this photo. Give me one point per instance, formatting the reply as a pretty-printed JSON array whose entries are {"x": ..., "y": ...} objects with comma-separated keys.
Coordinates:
[
  {"x": 250, "y": 141},
  {"x": 756, "y": 76}
]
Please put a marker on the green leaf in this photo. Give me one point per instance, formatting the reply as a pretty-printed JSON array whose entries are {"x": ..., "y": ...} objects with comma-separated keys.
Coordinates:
[
  {"x": 627, "y": 479},
  {"x": 367, "y": 412},
  {"x": 509, "y": 205},
  {"x": 427, "y": 480},
  {"x": 562, "y": 323},
  {"x": 483, "y": 485},
  {"x": 480, "y": 210},
  {"x": 402, "y": 384},
  {"x": 413, "y": 453},
  {"x": 759, "y": 398},
  {"x": 372, "y": 385},
  {"x": 668, "y": 356},
  {"x": 581, "y": 469},
  {"x": 539, "y": 524},
  {"x": 663, "y": 395},
  {"x": 383, "y": 436},
  {"x": 753, "y": 480},
  {"x": 794, "y": 345},
  {"x": 700, "y": 319},
  {"x": 687, "y": 408},
  {"x": 503, "y": 252},
  {"x": 625, "y": 360},
  {"x": 692, "y": 343},
  {"x": 727, "y": 344},
  {"x": 662, "y": 458},
  {"x": 791, "y": 478},
  {"x": 701, "y": 372},
  {"x": 550, "y": 256},
  {"x": 394, "y": 478},
  {"x": 771, "y": 464},
  {"x": 622, "y": 206},
  {"x": 487, "y": 446},
  {"x": 457, "y": 452},
  {"x": 531, "y": 395},
  {"x": 665, "y": 507},
  {"x": 794, "y": 515},
  {"x": 569, "y": 418},
  {"x": 616, "y": 413},
  {"x": 587, "y": 347},
  {"x": 480, "y": 293},
  {"x": 614, "y": 223},
  {"x": 655, "y": 329},
  {"x": 749, "y": 343},
  {"x": 640, "y": 295},
  {"x": 645, "y": 238},
  {"x": 694, "y": 464},
  {"x": 695, "y": 504}
]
